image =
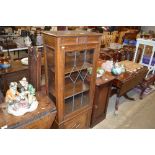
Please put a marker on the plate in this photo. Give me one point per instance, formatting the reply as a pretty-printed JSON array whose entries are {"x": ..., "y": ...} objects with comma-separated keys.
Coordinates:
[
  {"x": 4, "y": 66},
  {"x": 24, "y": 61}
]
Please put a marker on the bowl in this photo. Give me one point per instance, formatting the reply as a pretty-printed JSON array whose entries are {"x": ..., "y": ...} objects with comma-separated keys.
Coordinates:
[
  {"x": 24, "y": 61},
  {"x": 4, "y": 66},
  {"x": 116, "y": 71},
  {"x": 100, "y": 71}
]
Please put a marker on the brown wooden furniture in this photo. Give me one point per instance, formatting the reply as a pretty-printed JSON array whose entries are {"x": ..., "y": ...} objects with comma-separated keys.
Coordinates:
[
  {"x": 41, "y": 118},
  {"x": 68, "y": 54},
  {"x": 130, "y": 35},
  {"x": 102, "y": 94},
  {"x": 35, "y": 67},
  {"x": 17, "y": 70},
  {"x": 149, "y": 80},
  {"x": 127, "y": 81},
  {"x": 146, "y": 36},
  {"x": 15, "y": 73},
  {"x": 1, "y": 97},
  {"x": 125, "y": 53},
  {"x": 110, "y": 54},
  {"x": 108, "y": 38}
]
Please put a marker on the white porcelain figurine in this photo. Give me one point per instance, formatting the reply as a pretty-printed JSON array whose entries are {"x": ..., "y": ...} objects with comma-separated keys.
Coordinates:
[{"x": 20, "y": 98}]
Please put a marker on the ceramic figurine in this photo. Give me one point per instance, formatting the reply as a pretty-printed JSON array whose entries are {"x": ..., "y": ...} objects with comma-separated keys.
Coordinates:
[
  {"x": 116, "y": 70},
  {"x": 21, "y": 100},
  {"x": 39, "y": 40},
  {"x": 100, "y": 71},
  {"x": 31, "y": 95},
  {"x": 27, "y": 41},
  {"x": 123, "y": 68},
  {"x": 12, "y": 93},
  {"x": 107, "y": 66},
  {"x": 90, "y": 69}
]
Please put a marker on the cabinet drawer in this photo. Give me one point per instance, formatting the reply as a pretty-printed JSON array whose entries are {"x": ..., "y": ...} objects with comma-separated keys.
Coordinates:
[
  {"x": 78, "y": 40},
  {"x": 93, "y": 40},
  {"x": 69, "y": 40},
  {"x": 50, "y": 41},
  {"x": 79, "y": 122}
]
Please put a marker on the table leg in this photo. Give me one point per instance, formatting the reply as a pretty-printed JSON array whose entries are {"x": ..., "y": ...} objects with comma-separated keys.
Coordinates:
[
  {"x": 142, "y": 91},
  {"x": 1, "y": 97},
  {"x": 18, "y": 54},
  {"x": 116, "y": 105},
  {"x": 129, "y": 98},
  {"x": 143, "y": 88}
]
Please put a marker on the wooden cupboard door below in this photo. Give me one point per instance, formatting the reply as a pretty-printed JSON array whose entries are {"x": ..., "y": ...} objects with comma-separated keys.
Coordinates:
[
  {"x": 100, "y": 101},
  {"x": 79, "y": 122}
]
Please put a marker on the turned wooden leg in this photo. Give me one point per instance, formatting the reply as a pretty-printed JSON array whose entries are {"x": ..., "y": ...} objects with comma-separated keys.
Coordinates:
[
  {"x": 143, "y": 88},
  {"x": 1, "y": 97},
  {"x": 116, "y": 105},
  {"x": 129, "y": 98},
  {"x": 18, "y": 54},
  {"x": 142, "y": 92}
]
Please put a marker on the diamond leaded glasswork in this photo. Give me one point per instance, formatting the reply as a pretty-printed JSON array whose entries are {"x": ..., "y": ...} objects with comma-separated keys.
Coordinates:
[{"x": 76, "y": 79}]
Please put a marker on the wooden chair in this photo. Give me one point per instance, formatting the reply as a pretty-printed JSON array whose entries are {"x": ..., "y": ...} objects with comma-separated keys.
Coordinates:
[
  {"x": 1, "y": 97},
  {"x": 147, "y": 58},
  {"x": 34, "y": 58}
]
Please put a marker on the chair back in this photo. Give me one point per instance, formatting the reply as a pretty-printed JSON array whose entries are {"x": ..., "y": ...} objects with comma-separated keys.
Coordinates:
[
  {"x": 34, "y": 58},
  {"x": 145, "y": 53}
]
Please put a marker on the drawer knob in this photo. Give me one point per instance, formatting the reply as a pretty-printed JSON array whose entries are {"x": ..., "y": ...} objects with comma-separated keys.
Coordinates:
[{"x": 96, "y": 106}]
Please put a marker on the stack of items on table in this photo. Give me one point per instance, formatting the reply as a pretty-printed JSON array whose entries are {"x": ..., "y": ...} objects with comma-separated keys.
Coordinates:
[{"x": 124, "y": 53}]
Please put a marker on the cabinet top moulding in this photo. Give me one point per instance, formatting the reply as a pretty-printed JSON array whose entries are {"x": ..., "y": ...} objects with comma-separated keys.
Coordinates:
[
  {"x": 74, "y": 37},
  {"x": 71, "y": 33}
]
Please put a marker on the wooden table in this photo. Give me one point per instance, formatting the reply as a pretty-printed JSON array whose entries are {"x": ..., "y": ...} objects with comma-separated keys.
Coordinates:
[
  {"x": 120, "y": 85},
  {"x": 101, "y": 99},
  {"x": 15, "y": 73},
  {"x": 125, "y": 53},
  {"x": 19, "y": 49},
  {"x": 127, "y": 81},
  {"x": 41, "y": 118}
]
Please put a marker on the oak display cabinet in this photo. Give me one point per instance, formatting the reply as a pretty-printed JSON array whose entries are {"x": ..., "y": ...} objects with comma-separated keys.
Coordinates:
[{"x": 68, "y": 55}]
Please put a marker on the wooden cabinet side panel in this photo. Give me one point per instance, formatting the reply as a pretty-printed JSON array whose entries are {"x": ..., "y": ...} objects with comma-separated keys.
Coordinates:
[
  {"x": 93, "y": 78},
  {"x": 100, "y": 104},
  {"x": 59, "y": 80}
]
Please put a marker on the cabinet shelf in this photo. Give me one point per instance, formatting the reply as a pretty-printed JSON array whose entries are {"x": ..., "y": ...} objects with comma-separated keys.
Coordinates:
[
  {"x": 69, "y": 68},
  {"x": 72, "y": 90},
  {"x": 76, "y": 102}
]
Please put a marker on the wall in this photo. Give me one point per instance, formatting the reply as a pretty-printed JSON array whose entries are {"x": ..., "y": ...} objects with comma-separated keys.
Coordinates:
[{"x": 147, "y": 28}]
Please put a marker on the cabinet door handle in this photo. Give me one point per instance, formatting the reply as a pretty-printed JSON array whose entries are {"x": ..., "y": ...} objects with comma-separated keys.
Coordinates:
[{"x": 96, "y": 106}]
